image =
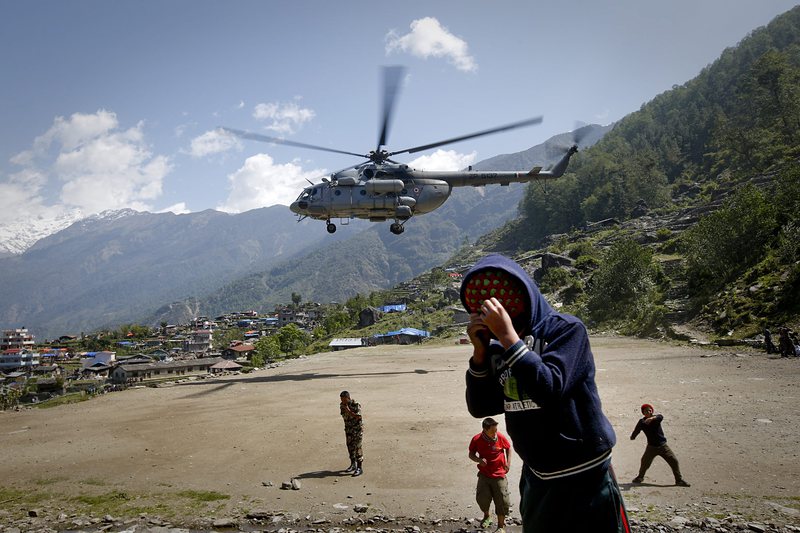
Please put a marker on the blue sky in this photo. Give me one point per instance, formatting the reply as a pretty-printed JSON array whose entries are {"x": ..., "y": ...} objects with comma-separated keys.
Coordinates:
[{"x": 113, "y": 104}]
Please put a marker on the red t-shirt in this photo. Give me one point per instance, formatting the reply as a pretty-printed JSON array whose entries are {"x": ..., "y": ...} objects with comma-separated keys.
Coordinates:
[{"x": 493, "y": 452}]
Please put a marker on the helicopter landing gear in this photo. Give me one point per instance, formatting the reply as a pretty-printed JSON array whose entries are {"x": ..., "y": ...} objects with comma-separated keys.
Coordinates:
[
  {"x": 331, "y": 227},
  {"x": 396, "y": 228}
]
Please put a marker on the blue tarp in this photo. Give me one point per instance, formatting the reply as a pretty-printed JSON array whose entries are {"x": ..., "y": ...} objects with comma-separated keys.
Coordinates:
[
  {"x": 407, "y": 331},
  {"x": 396, "y": 308}
]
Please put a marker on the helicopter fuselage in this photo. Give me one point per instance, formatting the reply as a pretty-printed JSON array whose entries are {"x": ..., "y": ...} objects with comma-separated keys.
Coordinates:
[{"x": 376, "y": 200}]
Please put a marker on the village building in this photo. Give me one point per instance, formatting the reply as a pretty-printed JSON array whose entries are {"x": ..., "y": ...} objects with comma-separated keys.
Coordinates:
[
  {"x": 18, "y": 359},
  {"x": 225, "y": 366},
  {"x": 124, "y": 373},
  {"x": 16, "y": 339},
  {"x": 238, "y": 351},
  {"x": 402, "y": 336},
  {"x": 345, "y": 343},
  {"x": 95, "y": 359},
  {"x": 198, "y": 341}
]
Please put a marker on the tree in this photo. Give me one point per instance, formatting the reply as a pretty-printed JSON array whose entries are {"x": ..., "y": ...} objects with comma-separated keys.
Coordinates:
[
  {"x": 268, "y": 348},
  {"x": 725, "y": 243},
  {"x": 292, "y": 339},
  {"x": 296, "y": 299},
  {"x": 336, "y": 320}
]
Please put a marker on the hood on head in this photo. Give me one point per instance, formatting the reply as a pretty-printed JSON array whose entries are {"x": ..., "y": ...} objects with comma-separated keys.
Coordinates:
[{"x": 538, "y": 306}]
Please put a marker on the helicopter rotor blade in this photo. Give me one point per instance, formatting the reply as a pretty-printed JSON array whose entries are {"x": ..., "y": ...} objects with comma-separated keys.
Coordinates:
[
  {"x": 266, "y": 138},
  {"x": 392, "y": 76},
  {"x": 580, "y": 132},
  {"x": 513, "y": 125}
]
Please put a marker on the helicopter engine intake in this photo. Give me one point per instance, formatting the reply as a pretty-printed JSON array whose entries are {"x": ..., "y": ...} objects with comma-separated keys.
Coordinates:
[{"x": 383, "y": 186}]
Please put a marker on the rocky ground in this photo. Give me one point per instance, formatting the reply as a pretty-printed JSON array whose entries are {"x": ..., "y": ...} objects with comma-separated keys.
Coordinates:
[{"x": 265, "y": 451}]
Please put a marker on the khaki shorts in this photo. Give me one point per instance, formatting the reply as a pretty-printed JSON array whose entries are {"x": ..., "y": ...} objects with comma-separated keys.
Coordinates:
[{"x": 493, "y": 489}]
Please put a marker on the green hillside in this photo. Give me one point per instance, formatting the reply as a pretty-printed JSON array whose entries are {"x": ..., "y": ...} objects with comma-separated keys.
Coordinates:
[{"x": 703, "y": 188}]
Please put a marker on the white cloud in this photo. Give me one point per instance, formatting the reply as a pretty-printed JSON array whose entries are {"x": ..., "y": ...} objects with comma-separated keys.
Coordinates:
[
  {"x": 283, "y": 118},
  {"x": 179, "y": 209},
  {"x": 428, "y": 38},
  {"x": 444, "y": 160},
  {"x": 261, "y": 183},
  {"x": 97, "y": 166},
  {"x": 213, "y": 142}
]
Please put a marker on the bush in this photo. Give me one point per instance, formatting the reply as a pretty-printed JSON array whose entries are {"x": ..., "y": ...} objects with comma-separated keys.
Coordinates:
[
  {"x": 624, "y": 286},
  {"x": 555, "y": 278}
]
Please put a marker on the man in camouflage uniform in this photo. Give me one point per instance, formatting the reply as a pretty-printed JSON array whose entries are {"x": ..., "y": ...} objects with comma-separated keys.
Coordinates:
[{"x": 354, "y": 431}]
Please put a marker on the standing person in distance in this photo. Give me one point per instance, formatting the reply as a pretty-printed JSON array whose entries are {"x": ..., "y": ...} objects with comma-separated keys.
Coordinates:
[
  {"x": 492, "y": 451},
  {"x": 650, "y": 424},
  {"x": 353, "y": 432},
  {"x": 545, "y": 386}
]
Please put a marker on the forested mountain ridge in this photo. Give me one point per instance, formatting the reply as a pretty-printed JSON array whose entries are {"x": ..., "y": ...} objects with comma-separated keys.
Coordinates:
[{"x": 701, "y": 189}]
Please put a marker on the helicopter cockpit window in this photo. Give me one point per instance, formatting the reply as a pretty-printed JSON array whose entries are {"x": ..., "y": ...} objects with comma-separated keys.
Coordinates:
[{"x": 306, "y": 194}]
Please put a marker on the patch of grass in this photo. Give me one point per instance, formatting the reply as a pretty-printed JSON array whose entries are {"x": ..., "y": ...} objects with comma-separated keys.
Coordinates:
[
  {"x": 16, "y": 497},
  {"x": 203, "y": 496},
  {"x": 75, "y": 397},
  {"x": 102, "y": 499}
]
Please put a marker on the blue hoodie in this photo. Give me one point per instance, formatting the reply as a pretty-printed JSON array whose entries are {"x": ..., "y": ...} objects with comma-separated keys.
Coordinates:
[{"x": 545, "y": 385}]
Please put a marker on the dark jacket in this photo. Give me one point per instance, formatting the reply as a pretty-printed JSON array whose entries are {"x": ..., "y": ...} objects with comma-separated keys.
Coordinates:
[
  {"x": 548, "y": 393},
  {"x": 653, "y": 432}
]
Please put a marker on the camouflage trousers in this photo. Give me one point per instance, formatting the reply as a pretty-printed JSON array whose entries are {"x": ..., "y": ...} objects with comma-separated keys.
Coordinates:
[{"x": 353, "y": 437}]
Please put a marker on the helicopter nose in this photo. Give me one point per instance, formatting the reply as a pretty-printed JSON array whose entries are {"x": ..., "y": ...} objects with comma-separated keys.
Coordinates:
[{"x": 299, "y": 207}]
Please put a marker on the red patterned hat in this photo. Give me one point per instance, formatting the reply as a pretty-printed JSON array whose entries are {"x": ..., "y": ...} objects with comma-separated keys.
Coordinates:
[{"x": 499, "y": 284}]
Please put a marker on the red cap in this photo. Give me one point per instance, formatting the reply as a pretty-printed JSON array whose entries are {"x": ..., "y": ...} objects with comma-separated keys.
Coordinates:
[{"x": 647, "y": 406}]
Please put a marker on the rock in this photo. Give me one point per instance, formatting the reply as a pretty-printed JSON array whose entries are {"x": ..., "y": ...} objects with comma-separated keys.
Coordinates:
[
  {"x": 296, "y": 484},
  {"x": 360, "y": 508},
  {"x": 756, "y": 527},
  {"x": 33, "y": 513},
  {"x": 259, "y": 514},
  {"x": 286, "y": 485},
  {"x": 224, "y": 523},
  {"x": 266, "y": 483}
]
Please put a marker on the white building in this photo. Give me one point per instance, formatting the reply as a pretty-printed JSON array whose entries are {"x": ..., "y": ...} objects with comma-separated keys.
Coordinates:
[{"x": 15, "y": 359}]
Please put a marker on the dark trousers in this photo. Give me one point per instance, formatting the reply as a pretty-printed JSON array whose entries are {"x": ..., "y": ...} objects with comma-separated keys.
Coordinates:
[
  {"x": 651, "y": 452},
  {"x": 589, "y": 502}
]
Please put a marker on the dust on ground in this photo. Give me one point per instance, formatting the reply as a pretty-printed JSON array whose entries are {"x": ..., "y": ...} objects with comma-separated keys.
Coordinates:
[{"x": 223, "y": 447}]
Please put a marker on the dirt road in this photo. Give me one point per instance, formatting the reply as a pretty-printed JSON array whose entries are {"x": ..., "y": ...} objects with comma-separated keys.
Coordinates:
[{"x": 212, "y": 448}]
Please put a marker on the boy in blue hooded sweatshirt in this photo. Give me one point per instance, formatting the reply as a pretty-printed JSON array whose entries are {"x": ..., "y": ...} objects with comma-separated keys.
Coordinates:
[{"x": 536, "y": 366}]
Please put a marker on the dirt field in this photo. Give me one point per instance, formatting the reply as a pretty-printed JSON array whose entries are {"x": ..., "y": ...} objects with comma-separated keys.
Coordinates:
[{"x": 212, "y": 448}]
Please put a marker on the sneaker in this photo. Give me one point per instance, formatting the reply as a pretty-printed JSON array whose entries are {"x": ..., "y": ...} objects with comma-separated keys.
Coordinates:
[
  {"x": 638, "y": 479},
  {"x": 682, "y": 483},
  {"x": 357, "y": 472},
  {"x": 351, "y": 468},
  {"x": 486, "y": 522}
]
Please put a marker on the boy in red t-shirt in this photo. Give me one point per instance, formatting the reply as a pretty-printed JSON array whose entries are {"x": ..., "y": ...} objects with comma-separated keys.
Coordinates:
[{"x": 491, "y": 450}]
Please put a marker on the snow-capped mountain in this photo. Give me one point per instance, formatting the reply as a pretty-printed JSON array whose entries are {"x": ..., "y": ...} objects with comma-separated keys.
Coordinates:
[{"x": 18, "y": 236}]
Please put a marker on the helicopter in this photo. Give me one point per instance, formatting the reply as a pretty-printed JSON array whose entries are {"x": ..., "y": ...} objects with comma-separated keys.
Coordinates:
[{"x": 381, "y": 188}]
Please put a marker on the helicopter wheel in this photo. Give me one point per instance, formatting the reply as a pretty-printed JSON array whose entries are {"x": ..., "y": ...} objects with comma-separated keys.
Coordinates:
[
  {"x": 331, "y": 227},
  {"x": 396, "y": 228}
]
